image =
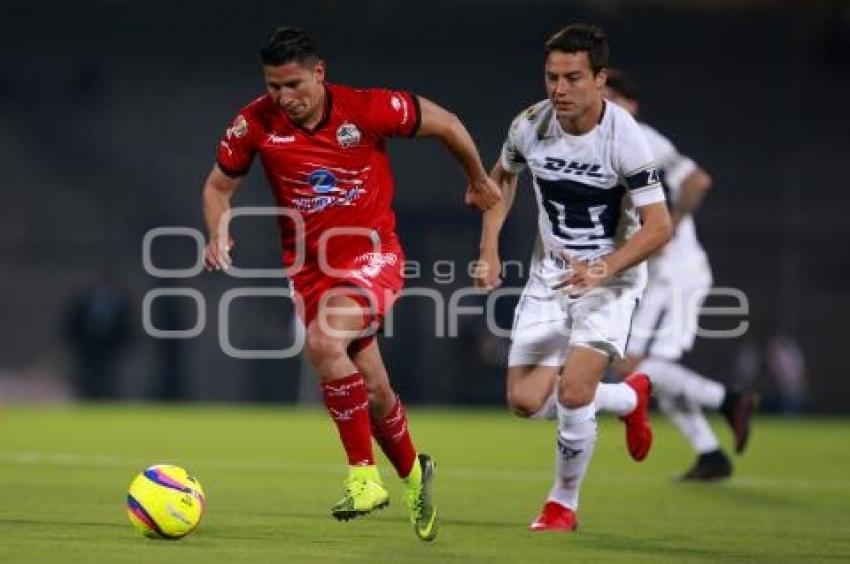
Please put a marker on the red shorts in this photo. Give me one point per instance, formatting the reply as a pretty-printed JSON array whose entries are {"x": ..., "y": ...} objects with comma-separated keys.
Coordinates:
[{"x": 373, "y": 279}]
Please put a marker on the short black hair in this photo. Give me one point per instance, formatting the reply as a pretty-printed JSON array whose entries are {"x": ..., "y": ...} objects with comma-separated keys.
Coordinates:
[
  {"x": 288, "y": 44},
  {"x": 582, "y": 37},
  {"x": 622, "y": 83}
]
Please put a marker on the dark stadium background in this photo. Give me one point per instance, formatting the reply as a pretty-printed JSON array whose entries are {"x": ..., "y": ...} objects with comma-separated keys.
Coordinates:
[{"x": 111, "y": 112}]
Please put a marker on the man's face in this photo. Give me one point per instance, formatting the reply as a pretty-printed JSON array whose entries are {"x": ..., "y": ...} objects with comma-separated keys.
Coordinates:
[
  {"x": 571, "y": 84},
  {"x": 296, "y": 87},
  {"x": 627, "y": 104}
]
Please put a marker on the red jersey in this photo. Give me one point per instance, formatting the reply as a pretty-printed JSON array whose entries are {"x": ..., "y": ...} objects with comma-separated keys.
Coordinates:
[{"x": 336, "y": 175}]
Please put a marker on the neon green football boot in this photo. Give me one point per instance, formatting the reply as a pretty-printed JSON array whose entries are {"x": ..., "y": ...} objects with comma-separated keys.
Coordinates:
[
  {"x": 364, "y": 493},
  {"x": 418, "y": 498}
]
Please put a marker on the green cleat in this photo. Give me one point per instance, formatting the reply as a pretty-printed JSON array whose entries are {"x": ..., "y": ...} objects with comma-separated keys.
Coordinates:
[
  {"x": 364, "y": 493},
  {"x": 423, "y": 514}
]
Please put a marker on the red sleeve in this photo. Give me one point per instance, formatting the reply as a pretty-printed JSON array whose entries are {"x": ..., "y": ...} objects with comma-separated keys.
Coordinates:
[
  {"x": 236, "y": 148},
  {"x": 392, "y": 113}
]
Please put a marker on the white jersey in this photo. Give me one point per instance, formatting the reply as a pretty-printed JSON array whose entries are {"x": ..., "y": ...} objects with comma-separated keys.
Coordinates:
[
  {"x": 683, "y": 256},
  {"x": 587, "y": 187}
]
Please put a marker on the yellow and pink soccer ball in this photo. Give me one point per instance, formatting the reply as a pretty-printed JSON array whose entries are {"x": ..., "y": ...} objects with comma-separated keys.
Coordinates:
[{"x": 165, "y": 502}]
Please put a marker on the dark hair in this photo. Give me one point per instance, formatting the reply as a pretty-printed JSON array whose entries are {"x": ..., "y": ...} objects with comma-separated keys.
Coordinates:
[
  {"x": 582, "y": 37},
  {"x": 622, "y": 83},
  {"x": 287, "y": 44}
]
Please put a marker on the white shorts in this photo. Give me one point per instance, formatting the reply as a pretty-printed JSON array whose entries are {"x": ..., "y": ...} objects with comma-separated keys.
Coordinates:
[
  {"x": 666, "y": 320},
  {"x": 545, "y": 327}
]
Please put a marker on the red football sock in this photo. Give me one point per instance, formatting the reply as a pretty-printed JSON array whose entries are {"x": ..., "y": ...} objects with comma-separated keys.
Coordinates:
[
  {"x": 348, "y": 405},
  {"x": 394, "y": 438}
]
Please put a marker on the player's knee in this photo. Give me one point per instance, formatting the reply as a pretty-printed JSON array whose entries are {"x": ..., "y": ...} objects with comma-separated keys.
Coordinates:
[
  {"x": 521, "y": 403},
  {"x": 320, "y": 345},
  {"x": 575, "y": 395}
]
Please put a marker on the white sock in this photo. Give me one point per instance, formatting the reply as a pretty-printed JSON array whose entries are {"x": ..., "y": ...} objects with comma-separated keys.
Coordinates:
[
  {"x": 690, "y": 420},
  {"x": 619, "y": 399},
  {"x": 573, "y": 450},
  {"x": 674, "y": 380}
]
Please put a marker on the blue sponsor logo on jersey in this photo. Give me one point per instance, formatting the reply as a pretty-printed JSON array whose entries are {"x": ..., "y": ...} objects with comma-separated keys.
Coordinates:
[
  {"x": 323, "y": 181},
  {"x": 328, "y": 194}
]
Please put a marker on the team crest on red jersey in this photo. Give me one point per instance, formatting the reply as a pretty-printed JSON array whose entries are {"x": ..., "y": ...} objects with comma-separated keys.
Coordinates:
[
  {"x": 239, "y": 127},
  {"x": 347, "y": 135}
]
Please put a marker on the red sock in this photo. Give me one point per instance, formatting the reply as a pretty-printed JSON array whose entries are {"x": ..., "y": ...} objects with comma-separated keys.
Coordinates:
[
  {"x": 391, "y": 433},
  {"x": 348, "y": 405}
]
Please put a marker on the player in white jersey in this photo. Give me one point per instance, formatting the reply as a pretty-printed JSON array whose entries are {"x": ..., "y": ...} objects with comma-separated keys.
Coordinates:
[
  {"x": 666, "y": 320},
  {"x": 601, "y": 213}
]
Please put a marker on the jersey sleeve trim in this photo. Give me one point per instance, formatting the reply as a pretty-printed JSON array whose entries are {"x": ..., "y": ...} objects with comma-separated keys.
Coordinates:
[
  {"x": 514, "y": 164},
  {"x": 511, "y": 155},
  {"x": 648, "y": 195},
  {"x": 231, "y": 172},
  {"x": 417, "y": 120},
  {"x": 643, "y": 177}
]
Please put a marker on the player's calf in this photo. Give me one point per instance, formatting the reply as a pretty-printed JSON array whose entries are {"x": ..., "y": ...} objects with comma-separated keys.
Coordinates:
[
  {"x": 523, "y": 404},
  {"x": 738, "y": 408},
  {"x": 530, "y": 390},
  {"x": 527, "y": 400},
  {"x": 382, "y": 399}
]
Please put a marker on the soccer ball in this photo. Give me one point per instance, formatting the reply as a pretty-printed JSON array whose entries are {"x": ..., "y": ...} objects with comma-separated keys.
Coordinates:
[{"x": 165, "y": 502}]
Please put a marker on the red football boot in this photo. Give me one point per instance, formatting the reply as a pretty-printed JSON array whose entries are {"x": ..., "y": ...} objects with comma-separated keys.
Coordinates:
[
  {"x": 555, "y": 517},
  {"x": 638, "y": 429}
]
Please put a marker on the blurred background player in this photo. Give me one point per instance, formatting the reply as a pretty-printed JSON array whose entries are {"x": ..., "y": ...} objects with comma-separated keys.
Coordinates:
[
  {"x": 99, "y": 328},
  {"x": 323, "y": 148},
  {"x": 665, "y": 323},
  {"x": 601, "y": 214}
]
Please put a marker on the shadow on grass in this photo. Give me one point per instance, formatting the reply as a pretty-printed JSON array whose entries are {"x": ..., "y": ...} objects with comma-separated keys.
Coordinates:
[
  {"x": 56, "y": 523},
  {"x": 736, "y": 493}
]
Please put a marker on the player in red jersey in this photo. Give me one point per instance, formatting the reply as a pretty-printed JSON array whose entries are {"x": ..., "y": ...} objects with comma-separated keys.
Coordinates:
[{"x": 323, "y": 148}]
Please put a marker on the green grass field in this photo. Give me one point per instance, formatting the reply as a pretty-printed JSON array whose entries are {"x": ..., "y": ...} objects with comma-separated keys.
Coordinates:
[{"x": 271, "y": 475}]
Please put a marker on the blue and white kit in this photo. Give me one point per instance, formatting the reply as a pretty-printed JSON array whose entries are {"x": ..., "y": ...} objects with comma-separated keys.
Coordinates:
[{"x": 588, "y": 188}]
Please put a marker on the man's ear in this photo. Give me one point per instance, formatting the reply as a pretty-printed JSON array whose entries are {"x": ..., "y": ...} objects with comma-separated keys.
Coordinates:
[
  {"x": 319, "y": 68},
  {"x": 601, "y": 78}
]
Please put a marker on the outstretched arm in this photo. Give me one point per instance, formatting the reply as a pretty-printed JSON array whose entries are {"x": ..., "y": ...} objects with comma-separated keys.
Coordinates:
[
  {"x": 217, "y": 192},
  {"x": 691, "y": 194},
  {"x": 438, "y": 122},
  {"x": 488, "y": 269}
]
